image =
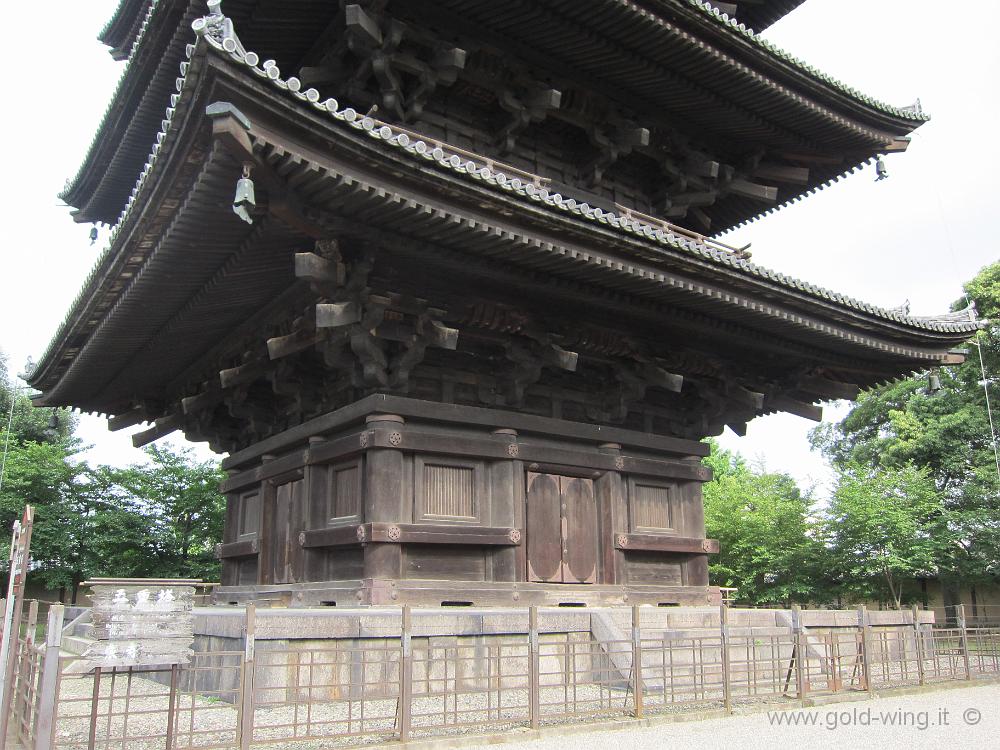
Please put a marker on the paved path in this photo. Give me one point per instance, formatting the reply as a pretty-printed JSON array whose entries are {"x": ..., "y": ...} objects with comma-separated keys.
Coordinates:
[{"x": 966, "y": 718}]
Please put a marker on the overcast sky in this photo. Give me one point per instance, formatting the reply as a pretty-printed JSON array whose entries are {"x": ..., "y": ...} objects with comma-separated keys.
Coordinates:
[{"x": 916, "y": 236}]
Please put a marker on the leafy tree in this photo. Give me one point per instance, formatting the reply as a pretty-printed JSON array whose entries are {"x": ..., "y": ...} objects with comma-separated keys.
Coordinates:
[
  {"x": 885, "y": 525},
  {"x": 948, "y": 432},
  {"x": 29, "y": 424},
  {"x": 181, "y": 509},
  {"x": 771, "y": 548}
]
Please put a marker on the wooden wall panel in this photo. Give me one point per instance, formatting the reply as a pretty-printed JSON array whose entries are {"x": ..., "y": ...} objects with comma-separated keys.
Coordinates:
[
  {"x": 445, "y": 564},
  {"x": 344, "y": 492},
  {"x": 653, "y": 505},
  {"x": 449, "y": 491},
  {"x": 655, "y": 568},
  {"x": 249, "y": 514}
]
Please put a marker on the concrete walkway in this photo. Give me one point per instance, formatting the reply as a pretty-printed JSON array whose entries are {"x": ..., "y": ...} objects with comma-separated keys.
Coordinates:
[{"x": 967, "y": 718}]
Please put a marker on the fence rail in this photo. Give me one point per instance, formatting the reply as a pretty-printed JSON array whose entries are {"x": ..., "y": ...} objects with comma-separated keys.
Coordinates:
[{"x": 406, "y": 683}]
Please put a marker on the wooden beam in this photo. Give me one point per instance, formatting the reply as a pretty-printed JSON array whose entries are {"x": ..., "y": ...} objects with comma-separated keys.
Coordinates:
[
  {"x": 897, "y": 145},
  {"x": 245, "y": 373},
  {"x": 163, "y": 426},
  {"x": 418, "y": 533},
  {"x": 245, "y": 548},
  {"x": 782, "y": 173},
  {"x": 754, "y": 191},
  {"x": 200, "y": 401},
  {"x": 829, "y": 388},
  {"x": 337, "y": 314},
  {"x": 338, "y": 536},
  {"x": 283, "y": 346},
  {"x": 313, "y": 268},
  {"x": 129, "y": 418},
  {"x": 799, "y": 408},
  {"x": 665, "y": 543}
]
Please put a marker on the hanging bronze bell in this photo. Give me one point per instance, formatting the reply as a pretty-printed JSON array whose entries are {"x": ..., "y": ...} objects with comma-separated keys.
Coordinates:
[
  {"x": 244, "y": 200},
  {"x": 933, "y": 382}
]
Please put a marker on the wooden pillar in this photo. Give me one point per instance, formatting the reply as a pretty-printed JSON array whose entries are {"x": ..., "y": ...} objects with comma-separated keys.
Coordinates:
[
  {"x": 865, "y": 628},
  {"x": 801, "y": 657},
  {"x": 637, "y": 685},
  {"x": 612, "y": 514},
  {"x": 918, "y": 645},
  {"x": 507, "y": 509},
  {"x": 963, "y": 635},
  {"x": 48, "y": 684},
  {"x": 727, "y": 688},
  {"x": 316, "y": 512},
  {"x": 534, "y": 670},
  {"x": 244, "y": 727},
  {"x": 405, "y": 674},
  {"x": 384, "y": 495}
]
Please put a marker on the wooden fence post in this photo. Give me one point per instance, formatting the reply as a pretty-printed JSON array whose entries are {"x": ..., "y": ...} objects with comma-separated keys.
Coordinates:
[
  {"x": 534, "y": 669},
  {"x": 801, "y": 661},
  {"x": 865, "y": 628},
  {"x": 727, "y": 697},
  {"x": 963, "y": 635},
  {"x": 244, "y": 727},
  {"x": 637, "y": 661},
  {"x": 406, "y": 673},
  {"x": 48, "y": 683},
  {"x": 918, "y": 645}
]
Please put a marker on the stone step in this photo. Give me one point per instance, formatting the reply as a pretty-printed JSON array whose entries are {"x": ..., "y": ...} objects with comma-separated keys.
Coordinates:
[{"x": 75, "y": 644}]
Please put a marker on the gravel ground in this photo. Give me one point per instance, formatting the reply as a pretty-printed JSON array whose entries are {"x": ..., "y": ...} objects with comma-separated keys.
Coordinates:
[{"x": 968, "y": 718}]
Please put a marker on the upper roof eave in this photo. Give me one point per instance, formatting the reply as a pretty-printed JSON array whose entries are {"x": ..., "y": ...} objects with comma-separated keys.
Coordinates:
[
  {"x": 121, "y": 30},
  {"x": 490, "y": 180}
]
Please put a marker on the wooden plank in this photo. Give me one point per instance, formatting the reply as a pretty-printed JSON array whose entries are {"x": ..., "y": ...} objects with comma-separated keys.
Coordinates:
[
  {"x": 664, "y": 543},
  {"x": 543, "y": 526},
  {"x": 799, "y": 408},
  {"x": 128, "y": 419},
  {"x": 337, "y": 536},
  {"x": 417, "y": 533},
  {"x": 783, "y": 173},
  {"x": 753, "y": 190},
  {"x": 162, "y": 427},
  {"x": 580, "y": 538},
  {"x": 245, "y": 548},
  {"x": 337, "y": 314}
]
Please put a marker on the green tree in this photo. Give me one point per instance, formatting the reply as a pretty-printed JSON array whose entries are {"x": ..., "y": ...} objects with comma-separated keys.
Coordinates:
[
  {"x": 771, "y": 548},
  {"x": 181, "y": 508},
  {"x": 885, "y": 526},
  {"x": 948, "y": 432}
]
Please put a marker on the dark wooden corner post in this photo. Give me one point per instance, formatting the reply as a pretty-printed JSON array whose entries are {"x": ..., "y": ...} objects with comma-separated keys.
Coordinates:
[
  {"x": 507, "y": 509},
  {"x": 383, "y": 439},
  {"x": 694, "y": 521},
  {"x": 266, "y": 552},
  {"x": 612, "y": 516},
  {"x": 315, "y": 512}
]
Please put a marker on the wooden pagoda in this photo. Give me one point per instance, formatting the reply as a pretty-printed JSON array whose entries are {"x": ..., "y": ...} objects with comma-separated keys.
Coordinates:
[{"x": 460, "y": 328}]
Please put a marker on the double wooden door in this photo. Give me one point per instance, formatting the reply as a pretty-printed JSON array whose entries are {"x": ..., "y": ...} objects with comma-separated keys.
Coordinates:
[{"x": 562, "y": 535}]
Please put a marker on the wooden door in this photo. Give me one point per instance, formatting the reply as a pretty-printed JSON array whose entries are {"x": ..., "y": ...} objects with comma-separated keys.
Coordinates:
[
  {"x": 561, "y": 521},
  {"x": 285, "y": 532}
]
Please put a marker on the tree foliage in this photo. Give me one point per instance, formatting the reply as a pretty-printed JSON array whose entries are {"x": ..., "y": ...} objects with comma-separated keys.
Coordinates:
[
  {"x": 159, "y": 519},
  {"x": 771, "y": 545},
  {"x": 885, "y": 525},
  {"x": 947, "y": 433}
]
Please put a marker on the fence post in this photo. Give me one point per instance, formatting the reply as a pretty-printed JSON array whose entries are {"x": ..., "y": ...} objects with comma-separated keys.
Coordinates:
[
  {"x": 534, "y": 669},
  {"x": 244, "y": 727},
  {"x": 727, "y": 698},
  {"x": 918, "y": 645},
  {"x": 865, "y": 628},
  {"x": 637, "y": 661},
  {"x": 800, "y": 653},
  {"x": 45, "y": 723},
  {"x": 406, "y": 673},
  {"x": 963, "y": 634}
]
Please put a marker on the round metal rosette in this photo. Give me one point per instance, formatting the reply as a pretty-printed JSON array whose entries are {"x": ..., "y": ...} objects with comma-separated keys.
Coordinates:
[
  {"x": 622, "y": 540},
  {"x": 514, "y": 535},
  {"x": 361, "y": 534},
  {"x": 706, "y": 545},
  {"x": 513, "y": 450},
  {"x": 393, "y": 533},
  {"x": 395, "y": 438}
]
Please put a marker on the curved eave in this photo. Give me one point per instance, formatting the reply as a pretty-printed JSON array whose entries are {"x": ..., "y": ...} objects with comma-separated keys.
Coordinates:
[
  {"x": 123, "y": 27},
  {"x": 627, "y": 256},
  {"x": 134, "y": 115}
]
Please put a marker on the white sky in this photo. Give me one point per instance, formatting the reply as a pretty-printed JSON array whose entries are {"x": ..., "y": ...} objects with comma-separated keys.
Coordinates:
[{"x": 916, "y": 236}]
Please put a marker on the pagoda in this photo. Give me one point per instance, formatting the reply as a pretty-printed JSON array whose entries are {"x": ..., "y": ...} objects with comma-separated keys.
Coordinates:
[{"x": 439, "y": 276}]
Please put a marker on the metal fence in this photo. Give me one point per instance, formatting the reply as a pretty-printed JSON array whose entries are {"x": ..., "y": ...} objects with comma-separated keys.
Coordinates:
[{"x": 404, "y": 684}]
